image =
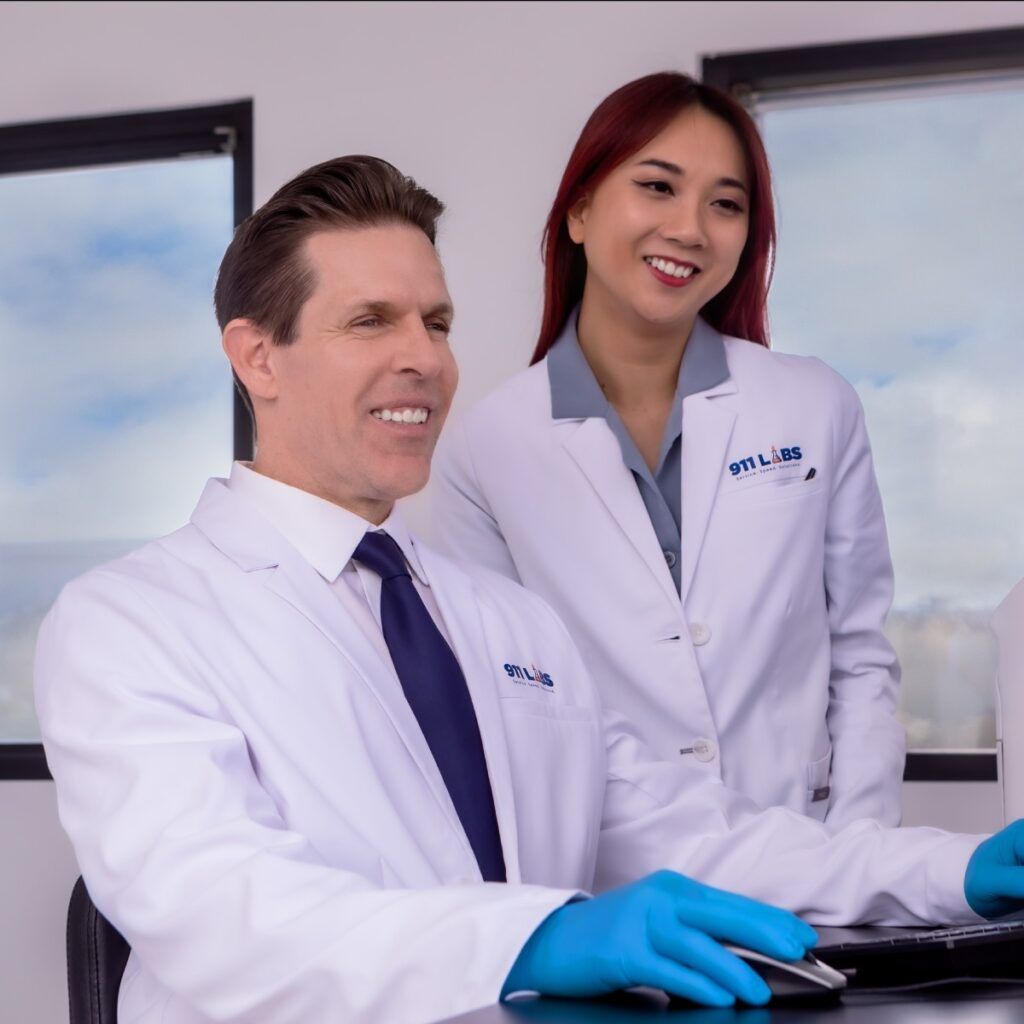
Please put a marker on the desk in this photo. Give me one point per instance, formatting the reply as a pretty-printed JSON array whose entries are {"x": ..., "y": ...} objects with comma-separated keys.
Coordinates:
[{"x": 1003, "y": 1004}]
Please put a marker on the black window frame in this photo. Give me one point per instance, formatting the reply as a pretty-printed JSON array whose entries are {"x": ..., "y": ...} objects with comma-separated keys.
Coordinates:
[
  {"x": 749, "y": 75},
  {"x": 121, "y": 139}
]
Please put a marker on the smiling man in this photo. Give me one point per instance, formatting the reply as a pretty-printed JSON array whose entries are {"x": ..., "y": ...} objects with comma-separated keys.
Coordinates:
[{"x": 304, "y": 769}]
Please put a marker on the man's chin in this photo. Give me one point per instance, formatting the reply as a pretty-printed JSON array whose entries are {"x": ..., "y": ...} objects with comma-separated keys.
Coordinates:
[{"x": 404, "y": 484}]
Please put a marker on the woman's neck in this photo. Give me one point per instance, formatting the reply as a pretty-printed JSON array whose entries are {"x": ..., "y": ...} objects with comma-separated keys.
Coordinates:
[{"x": 636, "y": 363}]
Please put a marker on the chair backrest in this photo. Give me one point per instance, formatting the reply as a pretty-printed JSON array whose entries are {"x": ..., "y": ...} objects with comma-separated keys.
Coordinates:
[{"x": 97, "y": 955}]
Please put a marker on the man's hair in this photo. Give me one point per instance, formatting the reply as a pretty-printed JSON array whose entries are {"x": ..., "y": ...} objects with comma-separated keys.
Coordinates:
[{"x": 265, "y": 275}]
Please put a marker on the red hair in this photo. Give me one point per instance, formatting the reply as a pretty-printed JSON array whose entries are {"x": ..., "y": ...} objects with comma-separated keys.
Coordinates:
[{"x": 623, "y": 124}]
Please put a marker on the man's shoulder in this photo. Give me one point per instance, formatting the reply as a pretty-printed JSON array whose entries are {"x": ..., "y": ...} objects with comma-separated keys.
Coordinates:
[{"x": 159, "y": 567}]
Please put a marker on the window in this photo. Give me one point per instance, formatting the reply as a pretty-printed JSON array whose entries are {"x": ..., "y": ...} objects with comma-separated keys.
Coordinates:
[
  {"x": 117, "y": 402},
  {"x": 897, "y": 174}
]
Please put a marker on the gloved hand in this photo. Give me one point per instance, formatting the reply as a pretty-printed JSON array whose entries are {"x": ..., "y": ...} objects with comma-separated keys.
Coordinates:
[
  {"x": 994, "y": 880},
  {"x": 659, "y": 932}
]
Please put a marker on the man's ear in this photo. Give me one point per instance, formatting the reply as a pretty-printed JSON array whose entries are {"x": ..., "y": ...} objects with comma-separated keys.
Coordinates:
[
  {"x": 576, "y": 218},
  {"x": 249, "y": 348}
]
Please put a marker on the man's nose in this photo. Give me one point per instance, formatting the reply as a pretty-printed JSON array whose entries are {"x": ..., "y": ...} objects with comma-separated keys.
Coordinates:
[{"x": 419, "y": 351}]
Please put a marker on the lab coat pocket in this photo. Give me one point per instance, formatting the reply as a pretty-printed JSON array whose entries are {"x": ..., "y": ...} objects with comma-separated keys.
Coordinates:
[
  {"x": 818, "y": 788},
  {"x": 557, "y": 757},
  {"x": 769, "y": 492}
]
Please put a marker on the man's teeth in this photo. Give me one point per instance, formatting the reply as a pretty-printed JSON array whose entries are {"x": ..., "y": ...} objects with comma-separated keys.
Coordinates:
[
  {"x": 402, "y": 415},
  {"x": 668, "y": 267}
]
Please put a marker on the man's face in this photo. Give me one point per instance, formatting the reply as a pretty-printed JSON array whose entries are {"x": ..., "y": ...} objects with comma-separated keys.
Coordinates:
[{"x": 360, "y": 396}]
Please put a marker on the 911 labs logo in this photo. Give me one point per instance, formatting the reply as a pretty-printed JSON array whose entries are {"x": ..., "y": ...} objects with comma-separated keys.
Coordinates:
[
  {"x": 760, "y": 463},
  {"x": 531, "y": 676}
]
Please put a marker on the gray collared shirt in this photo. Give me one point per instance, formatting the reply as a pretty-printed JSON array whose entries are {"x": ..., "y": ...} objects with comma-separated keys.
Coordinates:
[{"x": 576, "y": 394}]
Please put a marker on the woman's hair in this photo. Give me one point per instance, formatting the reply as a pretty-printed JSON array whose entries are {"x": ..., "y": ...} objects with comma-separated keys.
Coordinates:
[{"x": 622, "y": 125}]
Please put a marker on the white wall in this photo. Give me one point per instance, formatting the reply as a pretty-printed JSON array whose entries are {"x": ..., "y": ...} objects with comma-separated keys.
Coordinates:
[{"x": 481, "y": 103}]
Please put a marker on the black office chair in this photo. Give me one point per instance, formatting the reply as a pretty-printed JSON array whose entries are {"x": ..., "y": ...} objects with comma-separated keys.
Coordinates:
[{"x": 96, "y": 957}]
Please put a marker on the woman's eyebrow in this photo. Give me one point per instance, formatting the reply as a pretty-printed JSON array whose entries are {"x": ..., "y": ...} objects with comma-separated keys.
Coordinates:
[
  {"x": 663, "y": 164},
  {"x": 672, "y": 168}
]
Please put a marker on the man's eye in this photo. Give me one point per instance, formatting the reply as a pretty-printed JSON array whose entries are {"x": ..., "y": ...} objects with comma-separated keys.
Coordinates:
[
  {"x": 440, "y": 326},
  {"x": 369, "y": 321},
  {"x": 660, "y": 187}
]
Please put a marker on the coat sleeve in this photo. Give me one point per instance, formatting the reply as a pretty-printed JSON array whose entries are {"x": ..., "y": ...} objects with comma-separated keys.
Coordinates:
[
  {"x": 659, "y": 815},
  {"x": 190, "y": 858},
  {"x": 868, "y": 742},
  {"x": 464, "y": 525}
]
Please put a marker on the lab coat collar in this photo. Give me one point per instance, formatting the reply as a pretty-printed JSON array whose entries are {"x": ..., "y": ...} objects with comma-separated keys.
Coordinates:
[
  {"x": 708, "y": 420},
  {"x": 324, "y": 534},
  {"x": 576, "y": 394}
]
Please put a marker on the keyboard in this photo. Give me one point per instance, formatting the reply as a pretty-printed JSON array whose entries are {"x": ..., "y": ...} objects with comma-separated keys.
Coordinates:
[{"x": 904, "y": 957}]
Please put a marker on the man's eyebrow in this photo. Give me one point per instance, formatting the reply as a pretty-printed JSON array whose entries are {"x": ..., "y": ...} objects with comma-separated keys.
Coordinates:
[
  {"x": 672, "y": 168},
  {"x": 381, "y": 307},
  {"x": 442, "y": 309},
  {"x": 374, "y": 307}
]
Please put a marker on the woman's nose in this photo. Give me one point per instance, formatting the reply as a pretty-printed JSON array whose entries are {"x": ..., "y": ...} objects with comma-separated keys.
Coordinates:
[{"x": 686, "y": 226}]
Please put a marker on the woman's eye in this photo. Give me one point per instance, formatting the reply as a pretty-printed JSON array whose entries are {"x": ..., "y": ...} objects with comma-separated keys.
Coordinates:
[
  {"x": 729, "y": 204},
  {"x": 662, "y": 188}
]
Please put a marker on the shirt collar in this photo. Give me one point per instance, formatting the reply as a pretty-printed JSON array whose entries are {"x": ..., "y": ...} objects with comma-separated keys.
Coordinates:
[
  {"x": 576, "y": 394},
  {"x": 323, "y": 533}
]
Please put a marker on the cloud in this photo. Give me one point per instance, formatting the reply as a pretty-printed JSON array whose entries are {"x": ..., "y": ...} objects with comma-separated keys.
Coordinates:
[
  {"x": 899, "y": 265},
  {"x": 118, "y": 399}
]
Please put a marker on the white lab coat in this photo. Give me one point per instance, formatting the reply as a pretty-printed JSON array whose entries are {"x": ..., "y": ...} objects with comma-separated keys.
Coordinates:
[
  {"x": 254, "y": 807},
  {"x": 770, "y": 668}
]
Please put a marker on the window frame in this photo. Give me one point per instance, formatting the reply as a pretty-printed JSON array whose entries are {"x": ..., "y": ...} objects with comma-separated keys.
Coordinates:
[
  {"x": 754, "y": 74},
  {"x": 121, "y": 139}
]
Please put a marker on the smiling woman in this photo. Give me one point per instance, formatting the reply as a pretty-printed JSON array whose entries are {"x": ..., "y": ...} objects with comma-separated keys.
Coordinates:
[
  {"x": 709, "y": 526},
  {"x": 104, "y": 300}
]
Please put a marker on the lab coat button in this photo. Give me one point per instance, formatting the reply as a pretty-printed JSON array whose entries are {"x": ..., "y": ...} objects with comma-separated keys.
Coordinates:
[
  {"x": 700, "y": 633},
  {"x": 670, "y": 558},
  {"x": 703, "y": 750}
]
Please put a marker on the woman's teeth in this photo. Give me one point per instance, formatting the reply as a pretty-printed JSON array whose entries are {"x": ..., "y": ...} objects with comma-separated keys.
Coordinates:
[
  {"x": 401, "y": 415},
  {"x": 668, "y": 267}
]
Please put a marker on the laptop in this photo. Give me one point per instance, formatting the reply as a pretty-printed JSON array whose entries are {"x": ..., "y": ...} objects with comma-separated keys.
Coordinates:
[{"x": 893, "y": 958}]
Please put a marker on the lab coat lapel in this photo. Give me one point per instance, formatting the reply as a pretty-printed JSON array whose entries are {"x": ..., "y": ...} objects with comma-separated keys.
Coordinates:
[
  {"x": 593, "y": 447},
  {"x": 464, "y": 619},
  {"x": 708, "y": 421},
  {"x": 241, "y": 534}
]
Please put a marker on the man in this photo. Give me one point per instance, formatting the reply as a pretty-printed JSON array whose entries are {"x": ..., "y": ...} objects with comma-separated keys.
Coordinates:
[{"x": 291, "y": 796}]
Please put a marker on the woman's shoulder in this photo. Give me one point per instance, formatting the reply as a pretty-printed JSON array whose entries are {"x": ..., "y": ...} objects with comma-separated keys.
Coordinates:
[
  {"x": 753, "y": 365},
  {"x": 518, "y": 399}
]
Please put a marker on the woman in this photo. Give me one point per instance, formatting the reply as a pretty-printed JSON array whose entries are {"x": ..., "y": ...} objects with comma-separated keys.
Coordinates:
[{"x": 702, "y": 512}]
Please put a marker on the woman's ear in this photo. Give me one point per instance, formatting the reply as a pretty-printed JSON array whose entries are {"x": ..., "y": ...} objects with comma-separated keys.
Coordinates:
[
  {"x": 249, "y": 347},
  {"x": 575, "y": 219}
]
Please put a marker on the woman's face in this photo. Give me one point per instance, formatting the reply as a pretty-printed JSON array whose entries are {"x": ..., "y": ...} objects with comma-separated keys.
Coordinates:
[{"x": 663, "y": 233}]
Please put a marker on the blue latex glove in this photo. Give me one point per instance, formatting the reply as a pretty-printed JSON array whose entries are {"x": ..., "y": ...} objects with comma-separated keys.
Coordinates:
[
  {"x": 659, "y": 932},
  {"x": 994, "y": 881}
]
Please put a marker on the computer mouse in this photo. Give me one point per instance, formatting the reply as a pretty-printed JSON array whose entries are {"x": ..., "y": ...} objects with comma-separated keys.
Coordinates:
[{"x": 797, "y": 980}]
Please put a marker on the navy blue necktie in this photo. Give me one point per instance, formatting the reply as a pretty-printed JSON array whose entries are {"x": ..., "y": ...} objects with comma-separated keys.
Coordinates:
[{"x": 436, "y": 691}]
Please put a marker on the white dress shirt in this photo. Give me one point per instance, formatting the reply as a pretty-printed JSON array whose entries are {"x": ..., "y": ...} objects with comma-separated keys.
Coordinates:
[{"x": 326, "y": 535}]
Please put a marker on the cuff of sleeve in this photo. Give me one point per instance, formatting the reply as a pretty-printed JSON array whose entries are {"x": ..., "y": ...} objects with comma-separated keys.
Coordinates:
[
  {"x": 944, "y": 874},
  {"x": 534, "y": 905}
]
